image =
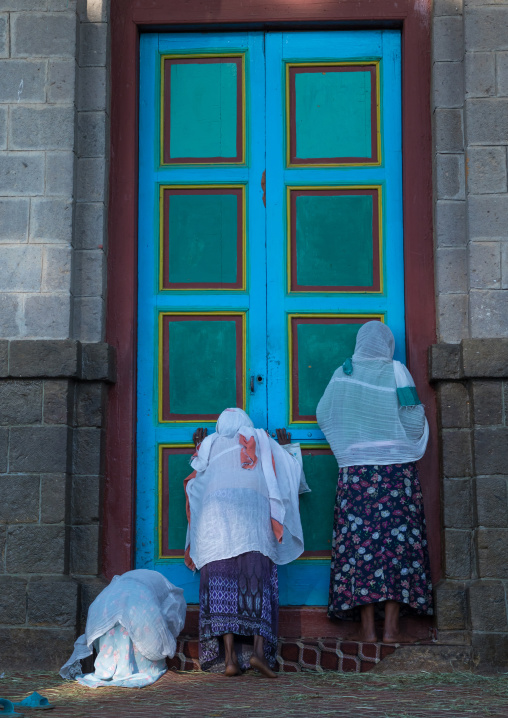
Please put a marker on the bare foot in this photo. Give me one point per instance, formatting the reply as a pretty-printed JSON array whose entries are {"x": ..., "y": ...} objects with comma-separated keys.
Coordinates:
[
  {"x": 232, "y": 669},
  {"x": 361, "y": 636},
  {"x": 262, "y": 666},
  {"x": 399, "y": 637}
]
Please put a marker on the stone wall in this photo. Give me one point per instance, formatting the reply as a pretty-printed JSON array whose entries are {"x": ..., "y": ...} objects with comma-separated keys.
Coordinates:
[
  {"x": 470, "y": 365},
  {"x": 54, "y": 368}
]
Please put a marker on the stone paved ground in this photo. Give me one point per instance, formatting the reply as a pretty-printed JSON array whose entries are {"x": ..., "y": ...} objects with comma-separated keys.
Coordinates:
[{"x": 301, "y": 695}]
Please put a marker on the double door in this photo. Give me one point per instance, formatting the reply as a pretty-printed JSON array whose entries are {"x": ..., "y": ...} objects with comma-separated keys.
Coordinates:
[{"x": 270, "y": 229}]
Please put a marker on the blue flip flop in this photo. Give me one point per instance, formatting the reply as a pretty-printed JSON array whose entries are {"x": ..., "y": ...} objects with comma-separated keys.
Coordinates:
[
  {"x": 7, "y": 709},
  {"x": 34, "y": 702}
]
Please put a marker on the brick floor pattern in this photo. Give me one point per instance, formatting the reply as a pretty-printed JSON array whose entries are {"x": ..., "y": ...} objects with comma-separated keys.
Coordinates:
[
  {"x": 295, "y": 655},
  {"x": 299, "y": 695}
]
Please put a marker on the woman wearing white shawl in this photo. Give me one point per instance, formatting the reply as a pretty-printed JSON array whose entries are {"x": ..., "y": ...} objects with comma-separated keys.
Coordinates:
[
  {"x": 243, "y": 520},
  {"x": 376, "y": 427}
]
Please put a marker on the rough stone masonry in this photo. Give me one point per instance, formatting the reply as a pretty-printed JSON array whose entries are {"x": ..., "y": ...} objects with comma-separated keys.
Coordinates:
[{"x": 55, "y": 367}]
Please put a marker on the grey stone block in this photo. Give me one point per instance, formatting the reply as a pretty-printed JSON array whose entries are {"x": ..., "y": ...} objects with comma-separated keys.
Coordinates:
[
  {"x": 451, "y": 223},
  {"x": 451, "y": 270},
  {"x": 3, "y": 128},
  {"x": 98, "y": 362},
  {"x": 89, "y": 273},
  {"x": 486, "y": 28},
  {"x": 56, "y": 269},
  {"x": 450, "y": 176},
  {"x": 456, "y": 448},
  {"x": 448, "y": 39},
  {"x": 42, "y": 358},
  {"x": 35, "y": 549},
  {"x": 20, "y": 402},
  {"x": 88, "y": 316},
  {"x": 448, "y": 7},
  {"x": 448, "y": 84},
  {"x": 90, "y": 403},
  {"x": 449, "y": 131},
  {"x": 444, "y": 362},
  {"x": 487, "y": 121},
  {"x": 457, "y": 503},
  {"x": 68, "y": 6},
  {"x": 85, "y": 499},
  {"x": 458, "y": 552},
  {"x": 486, "y": 170},
  {"x": 3, "y": 539},
  {"x": 454, "y": 405},
  {"x": 47, "y": 316},
  {"x": 490, "y": 651},
  {"x": 4, "y": 35},
  {"x": 51, "y": 220},
  {"x": 485, "y": 357},
  {"x": 30, "y": 646},
  {"x": 20, "y": 5},
  {"x": 451, "y": 606},
  {"x": 43, "y": 127},
  {"x": 57, "y": 398},
  {"x": 488, "y": 216},
  {"x": 489, "y": 309},
  {"x": 61, "y": 81},
  {"x": 52, "y": 602},
  {"x": 21, "y": 268},
  {"x": 452, "y": 317},
  {"x": 487, "y": 402},
  {"x": 43, "y": 35},
  {"x": 480, "y": 71},
  {"x": 19, "y": 499},
  {"x": 92, "y": 89},
  {"x": 485, "y": 265},
  {"x": 85, "y": 550},
  {"x": 4, "y": 448},
  {"x": 53, "y": 498},
  {"x": 91, "y": 180},
  {"x": 12, "y": 600},
  {"x": 41, "y": 449},
  {"x": 4, "y": 358},
  {"x": 59, "y": 173},
  {"x": 89, "y": 226},
  {"x": 502, "y": 73},
  {"x": 89, "y": 590},
  {"x": 22, "y": 81},
  {"x": 14, "y": 224},
  {"x": 491, "y": 450},
  {"x": 91, "y": 134},
  {"x": 488, "y": 606},
  {"x": 504, "y": 265},
  {"x": 492, "y": 501},
  {"x": 21, "y": 173},
  {"x": 87, "y": 457},
  {"x": 93, "y": 10},
  {"x": 93, "y": 44},
  {"x": 492, "y": 561}
]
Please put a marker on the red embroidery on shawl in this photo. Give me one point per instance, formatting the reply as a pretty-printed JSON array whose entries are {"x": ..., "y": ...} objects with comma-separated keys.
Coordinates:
[{"x": 248, "y": 456}]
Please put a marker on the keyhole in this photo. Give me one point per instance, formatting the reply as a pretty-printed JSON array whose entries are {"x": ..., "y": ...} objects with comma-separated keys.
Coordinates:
[{"x": 259, "y": 379}]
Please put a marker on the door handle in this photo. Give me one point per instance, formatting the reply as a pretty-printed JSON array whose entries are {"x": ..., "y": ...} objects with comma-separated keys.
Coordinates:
[{"x": 263, "y": 186}]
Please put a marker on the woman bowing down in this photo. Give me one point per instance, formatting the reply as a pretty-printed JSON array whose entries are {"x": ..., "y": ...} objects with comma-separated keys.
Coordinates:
[
  {"x": 242, "y": 507},
  {"x": 376, "y": 427}
]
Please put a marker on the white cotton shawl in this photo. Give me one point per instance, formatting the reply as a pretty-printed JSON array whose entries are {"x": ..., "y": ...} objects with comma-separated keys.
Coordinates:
[
  {"x": 360, "y": 414},
  {"x": 125, "y": 601},
  {"x": 231, "y": 507}
]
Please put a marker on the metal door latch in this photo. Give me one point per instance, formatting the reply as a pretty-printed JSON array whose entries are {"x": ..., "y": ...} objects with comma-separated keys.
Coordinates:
[{"x": 259, "y": 379}]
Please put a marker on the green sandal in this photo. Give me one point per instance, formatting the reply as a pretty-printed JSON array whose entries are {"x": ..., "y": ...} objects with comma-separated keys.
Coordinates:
[
  {"x": 7, "y": 709},
  {"x": 34, "y": 702}
]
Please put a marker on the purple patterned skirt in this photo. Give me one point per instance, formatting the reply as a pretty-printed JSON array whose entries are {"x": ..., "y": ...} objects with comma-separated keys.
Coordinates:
[
  {"x": 238, "y": 595},
  {"x": 379, "y": 546}
]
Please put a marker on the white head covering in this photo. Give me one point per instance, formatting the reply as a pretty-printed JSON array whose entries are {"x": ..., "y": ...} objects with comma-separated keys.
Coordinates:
[
  {"x": 360, "y": 413},
  {"x": 232, "y": 507}
]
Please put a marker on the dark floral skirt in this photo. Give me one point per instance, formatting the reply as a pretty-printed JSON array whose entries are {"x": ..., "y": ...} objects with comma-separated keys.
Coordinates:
[
  {"x": 379, "y": 547},
  {"x": 238, "y": 595}
]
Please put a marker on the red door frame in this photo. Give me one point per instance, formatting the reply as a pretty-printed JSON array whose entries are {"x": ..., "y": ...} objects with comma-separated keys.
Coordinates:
[{"x": 128, "y": 18}]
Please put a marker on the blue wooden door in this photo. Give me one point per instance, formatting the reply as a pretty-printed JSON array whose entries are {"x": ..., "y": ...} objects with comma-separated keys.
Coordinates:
[{"x": 270, "y": 228}]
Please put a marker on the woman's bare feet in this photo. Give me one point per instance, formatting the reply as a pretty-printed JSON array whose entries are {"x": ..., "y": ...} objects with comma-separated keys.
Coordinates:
[
  {"x": 232, "y": 669},
  {"x": 391, "y": 631},
  {"x": 362, "y": 636},
  {"x": 262, "y": 666},
  {"x": 367, "y": 632},
  {"x": 399, "y": 637}
]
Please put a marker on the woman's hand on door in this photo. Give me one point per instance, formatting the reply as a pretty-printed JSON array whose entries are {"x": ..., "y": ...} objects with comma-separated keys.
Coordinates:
[
  {"x": 283, "y": 437},
  {"x": 199, "y": 435}
]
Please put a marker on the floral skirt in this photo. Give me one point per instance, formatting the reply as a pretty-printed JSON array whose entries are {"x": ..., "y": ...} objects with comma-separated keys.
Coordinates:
[
  {"x": 379, "y": 547},
  {"x": 238, "y": 595}
]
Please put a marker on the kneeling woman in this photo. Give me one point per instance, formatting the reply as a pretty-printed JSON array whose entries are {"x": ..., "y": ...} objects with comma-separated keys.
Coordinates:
[
  {"x": 242, "y": 507},
  {"x": 376, "y": 427}
]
